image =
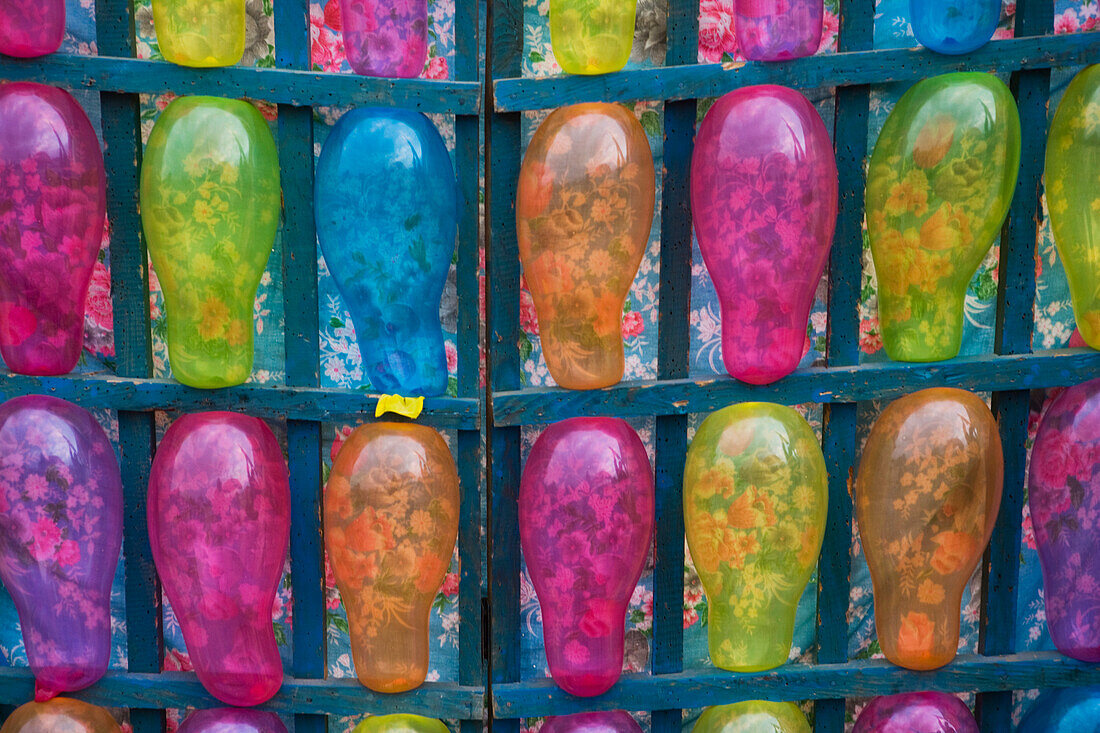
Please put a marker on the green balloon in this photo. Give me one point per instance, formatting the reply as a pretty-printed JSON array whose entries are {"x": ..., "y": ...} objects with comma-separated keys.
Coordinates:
[
  {"x": 938, "y": 189},
  {"x": 210, "y": 203},
  {"x": 400, "y": 723},
  {"x": 1073, "y": 196},
  {"x": 752, "y": 716}
]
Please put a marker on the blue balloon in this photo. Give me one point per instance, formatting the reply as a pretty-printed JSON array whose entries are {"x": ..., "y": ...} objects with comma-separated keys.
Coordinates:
[
  {"x": 387, "y": 215},
  {"x": 954, "y": 26},
  {"x": 1070, "y": 710}
]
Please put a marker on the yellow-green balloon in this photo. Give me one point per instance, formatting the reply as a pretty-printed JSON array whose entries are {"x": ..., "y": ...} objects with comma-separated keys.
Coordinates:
[
  {"x": 938, "y": 189},
  {"x": 401, "y": 723},
  {"x": 752, "y": 716},
  {"x": 592, "y": 36},
  {"x": 1073, "y": 196},
  {"x": 210, "y": 202}
]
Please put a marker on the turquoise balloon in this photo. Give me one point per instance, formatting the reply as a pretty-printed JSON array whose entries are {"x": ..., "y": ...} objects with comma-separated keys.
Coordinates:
[
  {"x": 954, "y": 26},
  {"x": 1071, "y": 710}
]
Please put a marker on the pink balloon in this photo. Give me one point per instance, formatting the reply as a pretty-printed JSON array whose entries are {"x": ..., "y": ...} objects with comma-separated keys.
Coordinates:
[
  {"x": 219, "y": 524},
  {"x": 52, "y": 205},
  {"x": 586, "y": 526},
  {"x": 611, "y": 721},
  {"x": 60, "y": 536},
  {"x": 778, "y": 30},
  {"x": 31, "y": 28},
  {"x": 764, "y": 200},
  {"x": 232, "y": 720}
]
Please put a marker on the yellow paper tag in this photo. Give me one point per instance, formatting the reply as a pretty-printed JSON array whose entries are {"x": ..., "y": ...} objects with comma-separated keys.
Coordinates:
[{"x": 410, "y": 407}]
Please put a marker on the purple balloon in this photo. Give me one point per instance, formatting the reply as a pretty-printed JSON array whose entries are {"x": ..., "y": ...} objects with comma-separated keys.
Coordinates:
[
  {"x": 219, "y": 524},
  {"x": 1064, "y": 497},
  {"x": 232, "y": 720},
  {"x": 778, "y": 30},
  {"x": 612, "y": 721},
  {"x": 764, "y": 201},
  {"x": 60, "y": 536},
  {"x": 586, "y": 526},
  {"x": 31, "y": 28},
  {"x": 916, "y": 712},
  {"x": 52, "y": 206},
  {"x": 385, "y": 37}
]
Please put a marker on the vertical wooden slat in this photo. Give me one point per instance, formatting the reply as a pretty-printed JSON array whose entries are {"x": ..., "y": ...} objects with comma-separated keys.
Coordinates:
[{"x": 121, "y": 127}]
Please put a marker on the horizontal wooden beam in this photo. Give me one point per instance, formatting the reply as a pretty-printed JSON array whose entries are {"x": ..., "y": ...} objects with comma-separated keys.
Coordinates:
[
  {"x": 320, "y": 697},
  {"x": 868, "y": 678},
  {"x": 694, "y": 81},
  {"x": 989, "y": 373},
  {"x": 298, "y": 403},
  {"x": 282, "y": 86}
]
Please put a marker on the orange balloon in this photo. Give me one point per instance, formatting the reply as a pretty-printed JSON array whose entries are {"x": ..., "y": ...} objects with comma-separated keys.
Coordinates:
[
  {"x": 391, "y": 522},
  {"x": 927, "y": 496},
  {"x": 60, "y": 715},
  {"x": 584, "y": 208}
]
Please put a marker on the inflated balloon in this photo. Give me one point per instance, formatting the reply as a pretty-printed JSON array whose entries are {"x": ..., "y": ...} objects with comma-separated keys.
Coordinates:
[
  {"x": 232, "y": 720},
  {"x": 60, "y": 715},
  {"x": 584, "y": 207},
  {"x": 954, "y": 26},
  {"x": 927, "y": 496},
  {"x": 30, "y": 28},
  {"x": 752, "y": 716},
  {"x": 1068, "y": 710},
  {"x": 592, "y": 36},
  {"x": 916, "y": 712},
  {"x": 611, "y": 721},
  {"x": 938, "y": 189},
  {"x": 60, "y": 536},
  {"x": 210, "y": 202},
  {"x": 764, "y": 202},
  {"x": 385, "y": 38},
  {"x": 586, "y": 504},
  {"x": 387, "y": 216},
  {"x": 200, "y": 33},
  {"x": 400, "y": 723},
  {"x": 52, "y": 205},
  {"x": 1073, "y": 157},
  {"x": 1064, "y": 497},
  {"x": 755, "y": 501},
  {"x": 778, "y": 30},
  {"x": 391, "y": 522},
  {"x": 219, "y": 525}
]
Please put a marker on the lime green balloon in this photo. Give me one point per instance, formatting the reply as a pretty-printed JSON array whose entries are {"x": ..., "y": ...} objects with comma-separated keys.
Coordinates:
[
  {"x": 401, "y": 723},
  {"x": 592, "y": 36},
  {"x": 753, "y": 716},
  {"x": 755, "y": 502},
  {"x": 938, "y": 189},
  {"x": 1073, "y": 196},
  {"x": 210, "y": 202}
]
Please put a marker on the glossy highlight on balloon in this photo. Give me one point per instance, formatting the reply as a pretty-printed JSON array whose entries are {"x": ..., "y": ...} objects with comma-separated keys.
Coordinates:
[
  {"x": 938, "y": 189},
  {"x": 592, "y": 36},
  {"x": 201, "y": 33},
  {"x": 610, "y": 721},
  {"x": 391, "y": 523},
  {"x": 584, "y": 208},
  {"x": 219, "y": 526},
  {"x": 1066, "y": 710},
  {"x": 52, "y": 207},
  {"x": 926, "y": 497},
  {"x": 755, "y": 502},
  {"x": 586, "y": 505},
  {"x": 387, "y": 217},
  {"x": 232, "y": 720},
  {"x": 778, "y": 30},
  {"x": 60, "y": 715},
  {"x": 400, "y": 723},
  {"x": 764, "y": 203},
  {"x": 1064, "y": 497},
  {"x": 387, "y": 38},
  {"x": 916, "y": 712},
  {"x": 30, "y": 28},
  {"x": 752, "y": 716},
  {"x": 60, "y": 537},
  {"x": 210, "y": 203},
  {"x": 1073, "y": 198},
  {"x": 954, "y": 26}
]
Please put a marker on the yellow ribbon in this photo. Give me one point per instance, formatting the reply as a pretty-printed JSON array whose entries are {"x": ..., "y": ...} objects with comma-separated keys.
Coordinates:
[{"x": 410, "y": 407}]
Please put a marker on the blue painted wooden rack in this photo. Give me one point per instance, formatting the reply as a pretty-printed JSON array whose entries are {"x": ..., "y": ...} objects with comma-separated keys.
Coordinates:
[
  {"x": 1009, "y": 373},
  {"x": 306, "y": 696}
]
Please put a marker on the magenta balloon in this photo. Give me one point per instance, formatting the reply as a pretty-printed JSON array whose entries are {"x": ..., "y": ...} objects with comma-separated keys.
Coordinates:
[
  {"x": 778, "y": 30},
  {"x": 586, "y": 526},
  {"x": 612, "y": 721},
  {"x": 60, "y": 535},
  {"x": 232, "y": 720},
  {"x": 219, "y": 524},
  {"x": 916, "y": 712},
  {"x": 764, "y": 201},
  {"x": 31, "y": 27},
  {"x": 52, "y": 204},
  {"x": 1064, "y": 497}
]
